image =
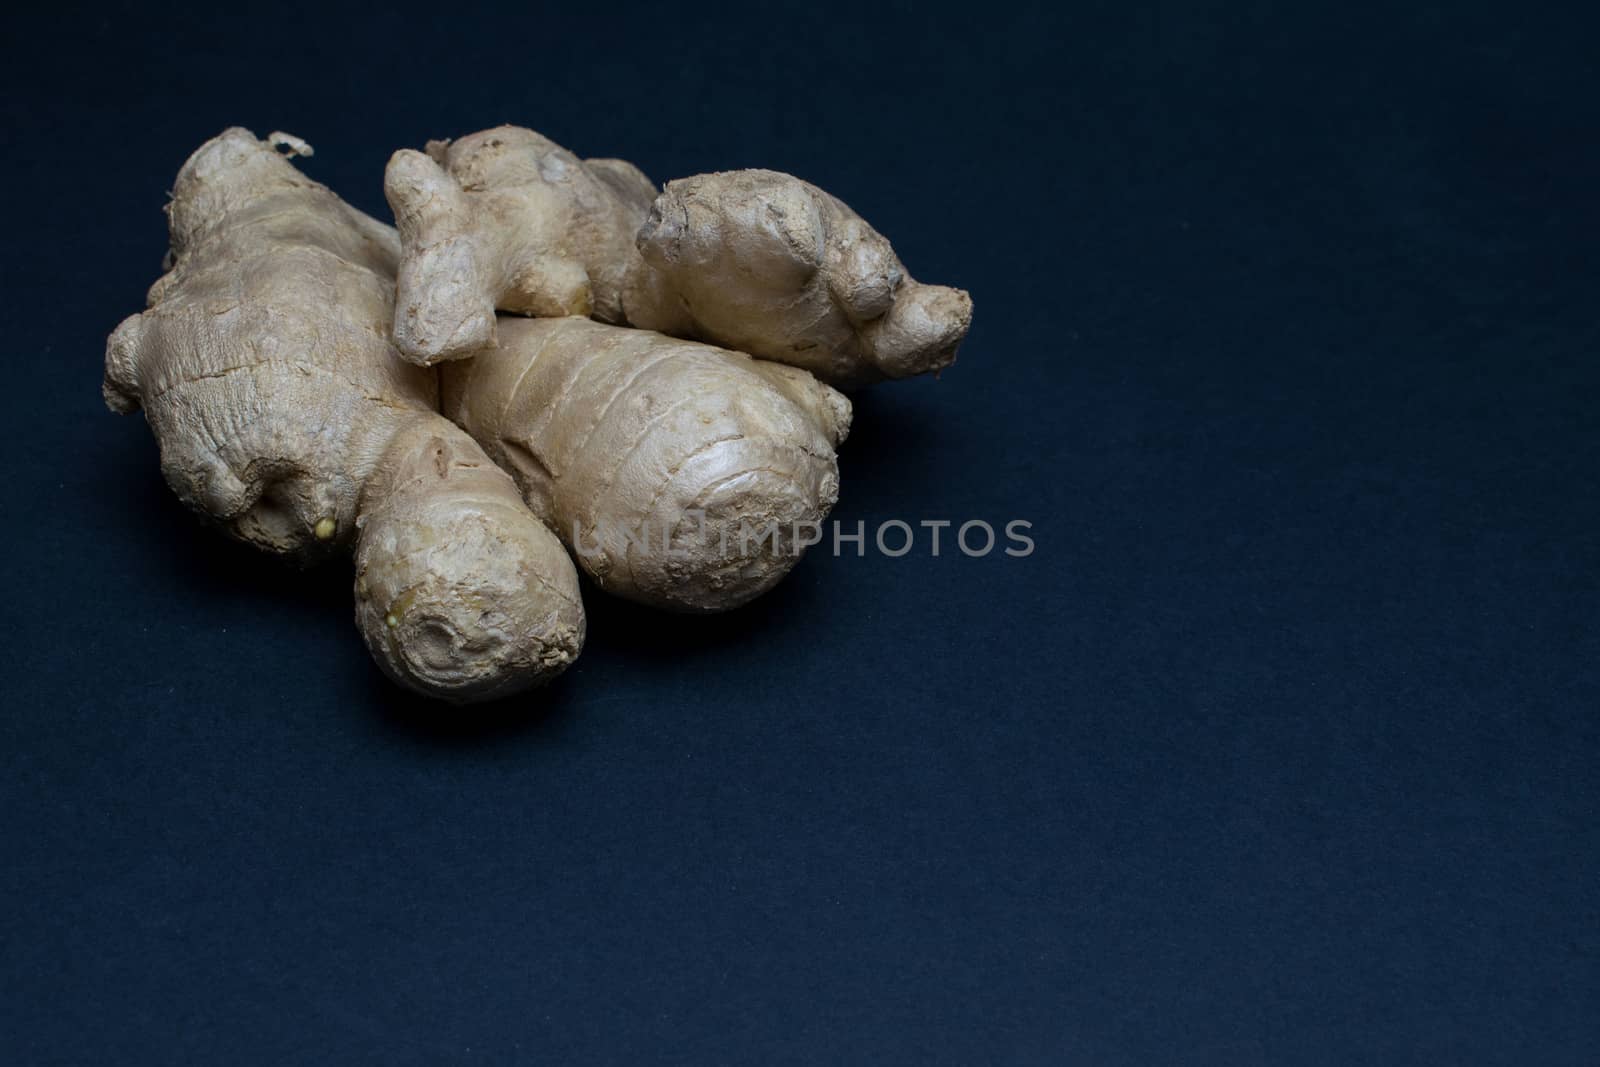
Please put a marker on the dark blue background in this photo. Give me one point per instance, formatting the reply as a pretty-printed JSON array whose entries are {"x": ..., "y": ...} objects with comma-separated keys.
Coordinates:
[{"x": 1281, "y": 748}]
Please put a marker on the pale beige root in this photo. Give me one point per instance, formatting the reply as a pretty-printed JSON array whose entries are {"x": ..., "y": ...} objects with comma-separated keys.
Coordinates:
[
  {"x": 771, "y": 265},
  {"x": 264, "y": 370},
  {"x": 506, "y": 219},
  {"x": 681, "y": 475},
  {"x": 458, "y": 593},
  {"x": 752, "y": 260}
]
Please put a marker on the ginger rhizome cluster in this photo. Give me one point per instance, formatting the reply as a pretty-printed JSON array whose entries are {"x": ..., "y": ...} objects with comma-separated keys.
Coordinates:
[{"x": 548, "y": 350}]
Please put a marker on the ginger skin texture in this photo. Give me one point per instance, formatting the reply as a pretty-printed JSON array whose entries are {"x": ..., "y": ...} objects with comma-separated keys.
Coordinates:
[
  {"x": 753, "y": 260},
  {"x": 285, "y": 417},
  {"x": 678, "y": 473}
]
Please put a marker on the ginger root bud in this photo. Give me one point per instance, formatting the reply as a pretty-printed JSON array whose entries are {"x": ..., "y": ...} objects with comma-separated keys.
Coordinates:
[{"x": 457, "y": 592}]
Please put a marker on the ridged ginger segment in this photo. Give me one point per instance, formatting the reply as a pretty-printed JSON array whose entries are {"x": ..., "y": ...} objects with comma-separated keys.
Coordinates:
[{"x": 681, "y": 475}]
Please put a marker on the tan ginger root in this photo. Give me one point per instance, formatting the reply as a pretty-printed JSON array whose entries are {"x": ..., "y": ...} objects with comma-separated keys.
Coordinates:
[
  {"x": 752, "y": 260},
  {"x": 681, "y": 475},
  {"x": 285, "y": 416}
]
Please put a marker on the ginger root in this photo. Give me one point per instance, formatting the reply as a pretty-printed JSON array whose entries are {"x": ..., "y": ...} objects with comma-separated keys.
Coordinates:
[
  {"x": 681, "y": 475},
  {"x": 285, "y": 416},
  {"x": 752, "y": 260},
  {"x": 667, "y": 410}
]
